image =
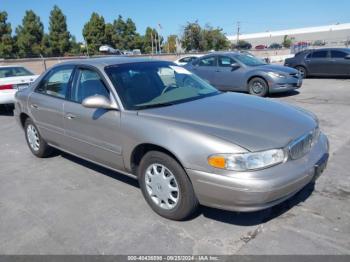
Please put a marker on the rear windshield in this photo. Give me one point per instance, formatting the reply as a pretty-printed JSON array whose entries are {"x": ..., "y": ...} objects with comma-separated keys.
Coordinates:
[{"x": 14, "y": 71}]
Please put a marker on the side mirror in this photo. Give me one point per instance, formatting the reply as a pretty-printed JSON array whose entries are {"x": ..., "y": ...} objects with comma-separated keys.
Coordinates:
[
  {"x": 347, "y": 57},
  {"x": 235, "y": 66},
  {"x": 98, "y": 101}
]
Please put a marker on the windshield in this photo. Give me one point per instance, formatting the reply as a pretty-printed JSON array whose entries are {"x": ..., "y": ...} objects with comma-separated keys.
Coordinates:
[
  {"x": 249, "y": 60},
  {"x": 14, "y": 71},
  {"x": 154, "y": 84}
]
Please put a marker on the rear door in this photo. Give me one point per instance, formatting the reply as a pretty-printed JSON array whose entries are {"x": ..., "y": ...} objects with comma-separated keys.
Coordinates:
[
  {"x": 318, "y": 62},
  {"x": 46, "y": 103},
  {"x": 340, "y": 65},
  {"x": 228, "y": 78},
  {"x": 93, "y": 133},
  {"x": 206, "y": 68}
]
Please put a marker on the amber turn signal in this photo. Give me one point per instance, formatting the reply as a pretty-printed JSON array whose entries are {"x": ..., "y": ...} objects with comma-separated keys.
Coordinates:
[{"x": 217, "y": 161}]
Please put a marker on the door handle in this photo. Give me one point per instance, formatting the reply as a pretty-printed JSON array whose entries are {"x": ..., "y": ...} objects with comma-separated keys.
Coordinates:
[
  {"x": 34, "y": 106},
  {"x": 70, "y": 116}
]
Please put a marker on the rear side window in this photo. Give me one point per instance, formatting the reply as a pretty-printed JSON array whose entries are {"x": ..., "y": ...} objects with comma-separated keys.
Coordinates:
[
  {"x": 208, "y": 61},
  {"x": 14, "y": 71},
  {"x": 88, "y": 83},
  {"x": 56, "y": 82},
  {"x": 338, "y": 54},
  {"x": 320, "y": 54}
]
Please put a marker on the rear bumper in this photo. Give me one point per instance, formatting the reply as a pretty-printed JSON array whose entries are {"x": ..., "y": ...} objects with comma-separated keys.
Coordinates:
[
  {"x": 7, "y": 96},
  {"x": 252, "y": 191}
]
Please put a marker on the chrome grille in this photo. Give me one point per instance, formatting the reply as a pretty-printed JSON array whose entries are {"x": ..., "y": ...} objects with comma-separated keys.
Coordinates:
[{"x": 301, "y": 146}]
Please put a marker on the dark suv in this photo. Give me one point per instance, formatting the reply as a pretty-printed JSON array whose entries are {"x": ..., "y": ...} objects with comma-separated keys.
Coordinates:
[{"x": 321, "y": 62}]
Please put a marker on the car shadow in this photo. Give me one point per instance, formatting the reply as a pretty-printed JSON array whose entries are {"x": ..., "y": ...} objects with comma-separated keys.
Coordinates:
[
  {"x": 229, "y": 217},
  {"x": 6, "y": 110},
  {"x": 329, "y": 77},
  {"x": 285, "y": 94},
  {"x": 258, "y": 217}
]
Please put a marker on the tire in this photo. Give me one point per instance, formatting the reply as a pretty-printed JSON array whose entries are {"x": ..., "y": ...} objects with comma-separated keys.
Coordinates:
[
  {"x": 302, "y": 70},
  {"x": 258, "y": 86},
  {"x": 35, "y": 142},
  {"x": 152, "y": 183}
]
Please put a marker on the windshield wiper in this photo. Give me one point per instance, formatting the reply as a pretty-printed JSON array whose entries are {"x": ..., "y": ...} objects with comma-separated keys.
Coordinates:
[{"x": 155, "y": 105}]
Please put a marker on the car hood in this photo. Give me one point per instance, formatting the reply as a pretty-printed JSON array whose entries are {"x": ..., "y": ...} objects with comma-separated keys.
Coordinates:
[
  {"x": 253, "y": 123},
  {"x": 278, "y": 68}
]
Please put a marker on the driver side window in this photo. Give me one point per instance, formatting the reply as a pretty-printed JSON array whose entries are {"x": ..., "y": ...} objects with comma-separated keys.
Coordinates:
[
  {"x": 225, "y": 61},
  {"x": 88, "y": 83}
]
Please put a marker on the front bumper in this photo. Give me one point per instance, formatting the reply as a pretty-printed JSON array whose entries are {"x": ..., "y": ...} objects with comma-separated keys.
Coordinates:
[
  {"x": 285, "y": 84},
  {"x": 252, "y": 191}
]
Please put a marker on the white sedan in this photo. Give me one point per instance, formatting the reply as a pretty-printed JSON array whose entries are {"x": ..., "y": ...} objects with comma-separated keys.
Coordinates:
[
  {"x": 12, "y": 79},
  {"x": 186, "y": 59}
]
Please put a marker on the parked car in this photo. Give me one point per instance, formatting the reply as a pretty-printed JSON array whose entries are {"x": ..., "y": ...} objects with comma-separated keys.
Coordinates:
[
  {"x": 109, "y": 50},
  {"x": 186, "y": 59},
  {"x": 275, "y": 46},
  {"x": 136, "y": 52},
  {"x": 237, "y": 71},
  {"x": 260, "y": 47},
  {"x": 185, "y": 142},
  {"x": 13, "y": 78},
  {"x": 321, "y": 62}
]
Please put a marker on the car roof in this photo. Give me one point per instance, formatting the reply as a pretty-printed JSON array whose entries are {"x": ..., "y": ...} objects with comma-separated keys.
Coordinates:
[
  {"x": 102, "y": 62},
  {"x": 331, "y": 48},
  {"x": 5, "y": 66},
  {"x": 226, "y": 53}
]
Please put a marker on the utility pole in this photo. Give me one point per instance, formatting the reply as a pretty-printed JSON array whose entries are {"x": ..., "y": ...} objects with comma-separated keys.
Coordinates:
[
  {"x": 160, "y": 27},
  {"x": 238, "y": 30},
  {"x": 152, "y": 40}
]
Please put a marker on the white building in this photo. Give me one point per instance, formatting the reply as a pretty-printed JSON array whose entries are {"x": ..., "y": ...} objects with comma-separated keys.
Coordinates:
[{"x": 335, "y": 35}]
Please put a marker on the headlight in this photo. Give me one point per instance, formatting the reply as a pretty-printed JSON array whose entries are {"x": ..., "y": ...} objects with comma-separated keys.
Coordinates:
[
  {"x": 247, "y": 161},
  {"x": 276, "y": 74}
]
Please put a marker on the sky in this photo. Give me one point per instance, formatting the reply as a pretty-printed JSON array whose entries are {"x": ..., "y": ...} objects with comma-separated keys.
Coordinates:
[{"x": 254, "y": 15}]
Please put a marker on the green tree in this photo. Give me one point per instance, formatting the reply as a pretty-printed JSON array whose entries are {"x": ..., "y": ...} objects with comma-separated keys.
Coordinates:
[
  {"x": 170, "y": 45},
  {"x": 75, "y": 47},
  {"x": 192, "y": 36},
  {"x": 213, "y": 39},
  {"x": 94, "y": 33},
  {"x": 125, "y": 35},
  {"x": 30, "y": 35},
  {"x": 59, "y": 35},
  {"x": 6, "y": 41},
  {"x": 109, "y": 34},
  {"x": 287, "y": 42}
]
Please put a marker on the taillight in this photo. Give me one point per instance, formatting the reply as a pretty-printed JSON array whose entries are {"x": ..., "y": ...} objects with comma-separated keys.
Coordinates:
[{"x": 6, "y": 87}]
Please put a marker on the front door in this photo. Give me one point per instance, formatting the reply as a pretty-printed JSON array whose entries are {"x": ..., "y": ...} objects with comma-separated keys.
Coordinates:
[
  {"x": 92, "y": 133},
  {"x": 228, "y": 78},
  {"x": 340, "y": 65}
]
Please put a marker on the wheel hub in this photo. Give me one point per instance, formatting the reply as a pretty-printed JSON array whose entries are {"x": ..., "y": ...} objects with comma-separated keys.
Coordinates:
[
  {"x": 33, "y": 137},
  {"x": 162, "y": 186}
]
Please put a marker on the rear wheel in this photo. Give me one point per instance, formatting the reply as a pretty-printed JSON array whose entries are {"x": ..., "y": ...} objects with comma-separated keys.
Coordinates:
[
  {"x": 302, "y": 70},
  {"x": 36, "y": 143},
  {"x": 166, "y": 186},
  {"x": 258, "y": 87}
]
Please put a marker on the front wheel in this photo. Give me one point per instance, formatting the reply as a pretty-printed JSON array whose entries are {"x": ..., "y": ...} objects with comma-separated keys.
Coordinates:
[
  {"x": 166, "y": 186},
  {"x": 258, "y": 87}
]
